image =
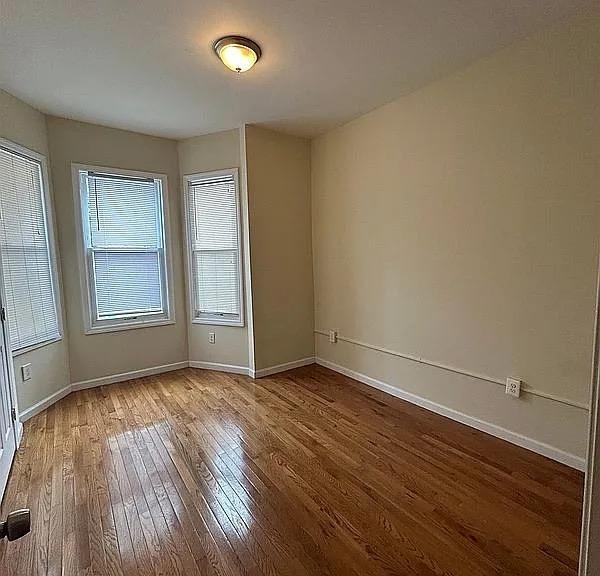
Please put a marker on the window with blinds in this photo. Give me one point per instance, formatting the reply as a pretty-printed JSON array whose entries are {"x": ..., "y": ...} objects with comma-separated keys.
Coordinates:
[
  {"x": 28, "y": 267},
  {"x": 124, "y": 249},
  {"x": 214, "y": 248}
]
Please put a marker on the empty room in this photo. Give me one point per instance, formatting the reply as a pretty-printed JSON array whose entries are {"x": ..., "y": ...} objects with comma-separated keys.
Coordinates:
[{"x": 299, "y": 288}]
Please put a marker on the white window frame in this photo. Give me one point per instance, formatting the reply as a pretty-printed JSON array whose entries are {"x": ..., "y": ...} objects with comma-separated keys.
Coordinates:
[
  {"x": 50, "y": 240},
  {"x": 215, "y": 320},
  {"x": 91, "y": 324}
]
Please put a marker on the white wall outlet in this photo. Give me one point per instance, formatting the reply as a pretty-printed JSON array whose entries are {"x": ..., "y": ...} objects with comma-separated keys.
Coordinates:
[
  {"x": 513, "y": 387},
  {"x": 211, "y": 337},
  {"x": 26, "y": 372},
  {"x": 333, "y": 336}
]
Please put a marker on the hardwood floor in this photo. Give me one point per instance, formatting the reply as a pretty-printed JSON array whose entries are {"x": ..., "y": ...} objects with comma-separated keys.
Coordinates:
[{"x": 303, "y": 473}]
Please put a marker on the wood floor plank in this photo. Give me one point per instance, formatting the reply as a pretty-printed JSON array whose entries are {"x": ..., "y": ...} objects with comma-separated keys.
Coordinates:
[
  {"x": 304, "y": 473},
  {"x": 227, "y": 487}
]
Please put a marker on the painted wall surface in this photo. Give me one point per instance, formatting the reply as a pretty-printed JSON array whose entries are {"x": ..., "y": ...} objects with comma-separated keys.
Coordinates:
[
  {"x": 50, "y": 366},
  {"x": 278, "y": 172},
  {"x": 206, "y": 154},
  {"x": 97, "y": 355},
  {"x": 460, "y": 224}
]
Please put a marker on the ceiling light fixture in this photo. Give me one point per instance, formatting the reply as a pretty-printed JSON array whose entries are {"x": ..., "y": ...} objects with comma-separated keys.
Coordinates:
[{"x": 237, "y": 53}]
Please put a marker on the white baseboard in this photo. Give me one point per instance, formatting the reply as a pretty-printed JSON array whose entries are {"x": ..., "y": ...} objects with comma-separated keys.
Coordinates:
[
  {"x": 85, "y": 384},
  {"x": 124, "y": 376},
  {"x": 513, "y": 437},
  {"x": 219, "y": 367},
  {"x": 19, "y": 426},
  {"x": 43, "y": 404},
  {"x": 283, "y": 367},
  {"x": 493, "y": 429}
]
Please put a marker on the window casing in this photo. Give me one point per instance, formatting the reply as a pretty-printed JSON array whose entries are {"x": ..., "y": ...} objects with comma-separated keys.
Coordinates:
[
  {"x": 30, "y": 287},
  {"x": 214, "y": 250},
  {"x": 123, "y": 248}
]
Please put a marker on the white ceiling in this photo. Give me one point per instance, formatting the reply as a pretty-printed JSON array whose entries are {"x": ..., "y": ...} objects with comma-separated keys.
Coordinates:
[{"x": 147, "y": 65}]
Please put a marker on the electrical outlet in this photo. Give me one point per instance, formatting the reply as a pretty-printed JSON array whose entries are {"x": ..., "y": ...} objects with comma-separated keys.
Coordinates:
[
  {"x": 333, "y": 336},
  {"x": 211, "y": 337},
  {"x": 26, "y": 372},
  {"x": 513, "y": 387}
]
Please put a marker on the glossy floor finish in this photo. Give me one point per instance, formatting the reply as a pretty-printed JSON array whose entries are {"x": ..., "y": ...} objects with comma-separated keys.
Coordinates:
[{"x": 304, "y": 473}]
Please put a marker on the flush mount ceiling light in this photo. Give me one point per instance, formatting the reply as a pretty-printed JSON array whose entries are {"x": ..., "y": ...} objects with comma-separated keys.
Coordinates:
[{"x": 237, "y": 53}]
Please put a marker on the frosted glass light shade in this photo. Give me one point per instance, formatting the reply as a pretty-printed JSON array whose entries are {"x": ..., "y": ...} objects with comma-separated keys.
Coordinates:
[{"x": 237, "y": 53}]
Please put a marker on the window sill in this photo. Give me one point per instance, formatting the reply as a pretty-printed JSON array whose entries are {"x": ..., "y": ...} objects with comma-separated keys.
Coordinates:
[
  {"x": 218, "y": 322},
  {"x": 127, "y": 326},
  {"x": 33, "y": 347}
]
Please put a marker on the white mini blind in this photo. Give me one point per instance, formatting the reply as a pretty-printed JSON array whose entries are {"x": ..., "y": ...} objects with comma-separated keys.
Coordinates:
[
  {"x": 27, "y": 267},
  {"x": 124, "y": 241},
  {"x": 214, "y": 238}
]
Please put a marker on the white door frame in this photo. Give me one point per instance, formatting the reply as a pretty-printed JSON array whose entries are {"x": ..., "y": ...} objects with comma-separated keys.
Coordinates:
[
  {"x": 16, "y": 424},
  {"x": 590, "y": 531},
  {"x": 10, "y": 366}
]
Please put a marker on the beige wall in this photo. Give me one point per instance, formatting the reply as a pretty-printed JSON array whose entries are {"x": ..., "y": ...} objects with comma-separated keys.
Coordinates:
[
  {"x": 50, "y": 367},
  {"x": 278, "y": 173},
  {"x": 205, "y": 154},
  {"x": 460, "y": 224},
  {"x": 97, "y": 355}
]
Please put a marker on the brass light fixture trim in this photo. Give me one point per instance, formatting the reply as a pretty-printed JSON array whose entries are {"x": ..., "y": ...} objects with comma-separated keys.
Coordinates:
[{"x": 238, "y": 53}]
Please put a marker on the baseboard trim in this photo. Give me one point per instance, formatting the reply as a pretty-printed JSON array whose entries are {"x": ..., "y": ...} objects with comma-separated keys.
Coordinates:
[
  {"x": 498, "y": 431},
  {"x": 19, "y": 425},
  {"x": 104, "y": 380},
  {"x": 43, "y": 404},
  {"x": 231, "y": 368},
  {"x": 124, "y": 376},
  {"x": 283, "y": 367}
]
